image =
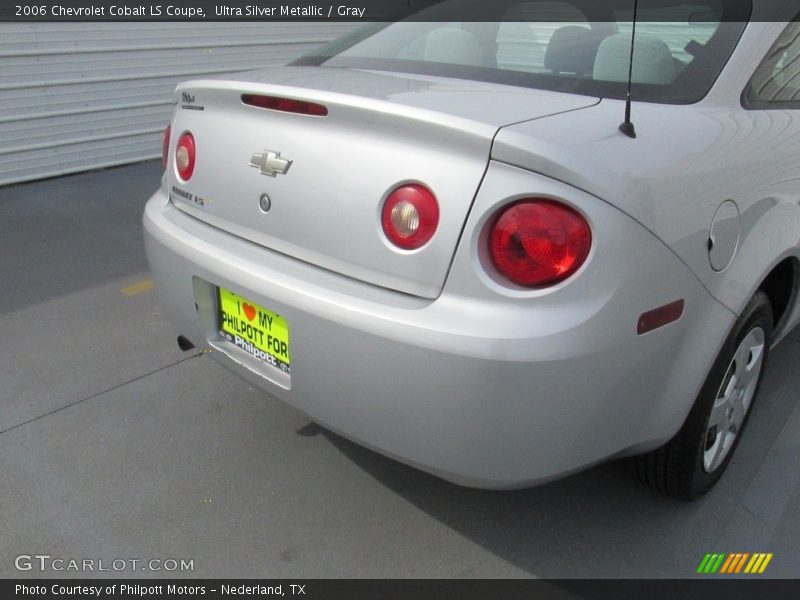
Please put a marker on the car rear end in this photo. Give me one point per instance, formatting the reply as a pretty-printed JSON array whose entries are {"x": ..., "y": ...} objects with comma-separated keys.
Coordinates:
[
  {"x": 478, "y": 379},
  {"x": 343, "y": 239}
]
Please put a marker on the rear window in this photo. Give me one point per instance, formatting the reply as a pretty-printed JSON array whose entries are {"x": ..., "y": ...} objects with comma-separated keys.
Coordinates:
[{"x": 577, "y": 46}]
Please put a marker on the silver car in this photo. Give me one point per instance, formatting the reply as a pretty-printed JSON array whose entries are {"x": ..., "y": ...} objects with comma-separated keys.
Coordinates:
[{"x": 461, "y": 244}]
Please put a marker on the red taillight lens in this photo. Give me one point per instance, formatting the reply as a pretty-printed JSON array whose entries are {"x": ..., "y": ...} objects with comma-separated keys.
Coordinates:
[
  {"x": 299, "y": 107},
  {"x": 184, "y": 156},
  {"x": 410, "y": 216},
  {"x": 539, "y": 242},
  {"x": 165, "y": 145}
]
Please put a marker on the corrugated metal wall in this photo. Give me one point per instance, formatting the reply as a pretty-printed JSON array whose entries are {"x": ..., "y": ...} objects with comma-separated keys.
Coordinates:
[{"x": 78, "y": 96}]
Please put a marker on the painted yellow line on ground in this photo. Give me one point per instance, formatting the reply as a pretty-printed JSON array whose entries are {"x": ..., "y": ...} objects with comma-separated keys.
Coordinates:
[{"x": 140, "y": 287}]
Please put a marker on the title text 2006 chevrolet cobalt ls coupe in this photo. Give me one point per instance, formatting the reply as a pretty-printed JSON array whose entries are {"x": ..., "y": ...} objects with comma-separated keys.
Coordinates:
[{"x": 434, "y": 237}]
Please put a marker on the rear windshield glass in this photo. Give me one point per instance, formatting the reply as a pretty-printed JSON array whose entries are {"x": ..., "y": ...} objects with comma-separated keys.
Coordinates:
[{"x": 577, "y": 46}]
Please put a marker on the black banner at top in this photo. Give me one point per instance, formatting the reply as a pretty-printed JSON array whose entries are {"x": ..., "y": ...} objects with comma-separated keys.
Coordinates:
[{"x": 393, "y": 10}]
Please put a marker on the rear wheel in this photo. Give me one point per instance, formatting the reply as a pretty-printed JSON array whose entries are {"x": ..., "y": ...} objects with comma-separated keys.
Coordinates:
[{"x": 692, "y": 462}]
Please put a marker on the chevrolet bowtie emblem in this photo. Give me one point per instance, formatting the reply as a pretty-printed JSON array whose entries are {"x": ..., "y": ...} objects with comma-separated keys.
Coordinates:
[{"x": 270, "y": 163}]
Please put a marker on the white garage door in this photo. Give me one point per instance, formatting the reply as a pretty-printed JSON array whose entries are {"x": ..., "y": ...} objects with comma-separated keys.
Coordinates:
[{"x": 78, "y": 96}]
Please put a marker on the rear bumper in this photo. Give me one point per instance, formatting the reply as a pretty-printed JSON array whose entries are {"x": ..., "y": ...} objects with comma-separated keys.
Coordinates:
[{"x": 480, "y": 387}]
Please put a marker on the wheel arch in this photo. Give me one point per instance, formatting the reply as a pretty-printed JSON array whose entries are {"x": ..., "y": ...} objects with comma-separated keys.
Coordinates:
[{"x": 781, "y": 287}]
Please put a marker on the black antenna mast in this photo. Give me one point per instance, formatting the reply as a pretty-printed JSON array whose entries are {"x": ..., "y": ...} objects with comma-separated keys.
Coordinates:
[{"x": 627, "y": 126}]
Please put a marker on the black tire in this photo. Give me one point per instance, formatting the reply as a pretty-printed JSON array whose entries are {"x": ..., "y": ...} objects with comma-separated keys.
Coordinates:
[{"x": 678, "y": 468}]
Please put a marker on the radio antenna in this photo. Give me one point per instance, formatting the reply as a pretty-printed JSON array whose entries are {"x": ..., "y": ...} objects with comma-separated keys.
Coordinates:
[{"x": 627, "y": 126}]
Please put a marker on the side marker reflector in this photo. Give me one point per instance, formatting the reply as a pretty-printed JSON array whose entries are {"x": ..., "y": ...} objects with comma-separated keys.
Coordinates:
[{"x": 659, "y": 317}]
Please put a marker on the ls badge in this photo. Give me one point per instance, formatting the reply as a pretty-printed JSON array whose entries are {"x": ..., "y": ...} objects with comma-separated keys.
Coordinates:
[{"x": 270, "y": 163}]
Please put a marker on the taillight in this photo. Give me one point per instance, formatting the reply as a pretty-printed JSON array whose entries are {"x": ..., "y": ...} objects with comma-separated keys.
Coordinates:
[
  {"x": 410, "y": 216},
  {"x": 539, "y": 242},
  {"x": 300, "y": 107},
  {"x": 184, "y": 156},
  {"x": 165, "y": 145}
]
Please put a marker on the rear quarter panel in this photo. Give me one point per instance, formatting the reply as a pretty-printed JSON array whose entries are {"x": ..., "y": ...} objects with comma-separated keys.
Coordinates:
[{"x": 686, "y": 161}]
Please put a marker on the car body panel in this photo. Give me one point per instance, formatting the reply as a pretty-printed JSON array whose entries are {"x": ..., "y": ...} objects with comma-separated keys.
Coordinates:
[
  {"x": 381, "y": 131},
  {"x": 673, "y": 179},
  {"x": 484, "y": 386}
]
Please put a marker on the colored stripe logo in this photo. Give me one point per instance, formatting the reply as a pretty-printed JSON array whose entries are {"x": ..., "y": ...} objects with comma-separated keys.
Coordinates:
[{"x": 731, "y": 564}]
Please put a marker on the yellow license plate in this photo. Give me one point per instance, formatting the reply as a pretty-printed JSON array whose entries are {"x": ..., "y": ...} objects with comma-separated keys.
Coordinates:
[{"x": 255, "y": 329}]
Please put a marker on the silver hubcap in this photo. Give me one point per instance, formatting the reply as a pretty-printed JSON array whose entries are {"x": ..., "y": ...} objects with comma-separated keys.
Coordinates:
[{"x": 733, "y": 399}]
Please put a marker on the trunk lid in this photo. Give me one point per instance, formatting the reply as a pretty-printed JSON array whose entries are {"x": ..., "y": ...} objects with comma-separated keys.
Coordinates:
[{"x": 382, "y": 130}]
